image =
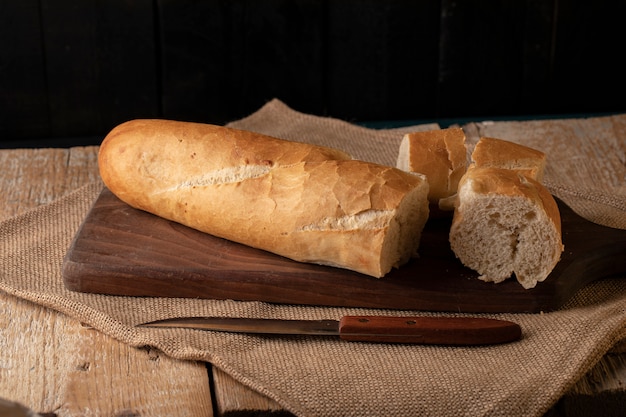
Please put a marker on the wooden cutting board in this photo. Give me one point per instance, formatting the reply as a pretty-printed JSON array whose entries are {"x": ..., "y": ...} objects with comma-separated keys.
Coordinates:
[{"x": 119, "y": 250}]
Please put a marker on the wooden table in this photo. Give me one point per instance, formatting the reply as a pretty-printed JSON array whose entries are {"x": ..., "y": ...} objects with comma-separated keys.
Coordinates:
[{"x": 54, "y": 365}]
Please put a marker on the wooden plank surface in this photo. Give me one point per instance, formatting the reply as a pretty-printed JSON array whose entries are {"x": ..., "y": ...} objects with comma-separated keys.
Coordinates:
[
  {"x": 123, "y": 251},
  {"x": 52, "y": 363}
]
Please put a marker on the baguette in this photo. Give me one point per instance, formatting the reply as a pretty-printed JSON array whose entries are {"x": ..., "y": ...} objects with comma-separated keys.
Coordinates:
[
  {"x": 304, "y": 202},
  {"x": 506, "y": 223},
  {"x": 441, "y": 156},
  {"x": 499, "y": 153}
]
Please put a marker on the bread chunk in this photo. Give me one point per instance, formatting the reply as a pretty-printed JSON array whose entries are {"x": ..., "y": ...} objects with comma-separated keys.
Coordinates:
[
  {"x": 440, "y": 155},
  {"x": 506, "y": 223},
  {"x": 305, "y": 202},
  {"x": 499, "y": 153}
]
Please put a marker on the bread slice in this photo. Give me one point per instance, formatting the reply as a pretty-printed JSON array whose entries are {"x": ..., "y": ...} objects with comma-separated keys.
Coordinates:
[
  {"x": 438, "y": 154},
  {"x": 499, "y": 153},
  {"x": 506, "y": 223},
  {"x": 304, "y": 202}
]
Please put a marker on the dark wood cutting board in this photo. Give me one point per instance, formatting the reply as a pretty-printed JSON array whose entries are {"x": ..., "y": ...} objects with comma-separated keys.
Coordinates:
[{"x": 119, "y": 250}]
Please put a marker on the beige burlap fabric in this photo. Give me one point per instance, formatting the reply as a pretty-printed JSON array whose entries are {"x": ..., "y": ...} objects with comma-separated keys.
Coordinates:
[{"x": 323, "y": 377}]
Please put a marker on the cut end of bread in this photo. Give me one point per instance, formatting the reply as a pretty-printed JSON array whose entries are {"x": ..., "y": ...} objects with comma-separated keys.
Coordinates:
[
  {"x": 405, "y": 229},
  {"x": 440, "y": 155},
  {"x": 505, "y": 226},
  {"x": 396, "y": 232}
]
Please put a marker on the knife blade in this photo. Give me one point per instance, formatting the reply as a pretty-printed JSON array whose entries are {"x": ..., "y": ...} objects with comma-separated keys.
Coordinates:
[{"x": 380, "y": 329}]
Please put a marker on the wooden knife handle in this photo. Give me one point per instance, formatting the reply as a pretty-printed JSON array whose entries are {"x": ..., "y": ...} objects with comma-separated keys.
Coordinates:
[{"x": 428, "y": 330}]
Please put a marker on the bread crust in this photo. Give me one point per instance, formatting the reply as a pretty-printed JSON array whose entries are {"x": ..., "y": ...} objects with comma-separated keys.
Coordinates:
[
  {"x": 497, "y": 201},
  {"x": 304, "y": 202},
  {"x": 506, "y": 182},
  {"x": 438, "y": 154},
  {"x": 499, "y": 153}
]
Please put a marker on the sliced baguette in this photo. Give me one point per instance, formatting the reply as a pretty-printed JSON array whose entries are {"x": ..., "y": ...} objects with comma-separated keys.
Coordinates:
[
  {"x": 304, "y": 202},
  {"x": 499, "y": 153},
  {"x": 441, "y": 156},
  {"x": 506, "y": 223}
]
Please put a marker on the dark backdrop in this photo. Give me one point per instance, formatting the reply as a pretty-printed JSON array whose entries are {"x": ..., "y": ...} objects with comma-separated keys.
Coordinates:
[{"x": 74, "y": 69}]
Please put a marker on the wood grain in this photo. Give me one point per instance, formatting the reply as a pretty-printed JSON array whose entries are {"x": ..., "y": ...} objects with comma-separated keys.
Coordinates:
[
  {"x": 53, "y": 364},
  {"x": 123, "y": 251},
  {"x": 600, "y": 393},
  {"x": 50, "y": 362},
  {"x": 34, "y": 177}
]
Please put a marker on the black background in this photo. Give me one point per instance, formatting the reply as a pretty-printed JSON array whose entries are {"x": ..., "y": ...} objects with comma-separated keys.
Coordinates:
[{"x": 71, "y": 70}]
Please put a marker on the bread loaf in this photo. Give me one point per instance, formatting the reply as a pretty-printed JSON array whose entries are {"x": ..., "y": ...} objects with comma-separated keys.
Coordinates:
[
  {"x": 506, "y": 223},
  {"x": 304, "y": 202},
  {"x": 499, "y": 153},
  {"x": 438, "y": 154}
]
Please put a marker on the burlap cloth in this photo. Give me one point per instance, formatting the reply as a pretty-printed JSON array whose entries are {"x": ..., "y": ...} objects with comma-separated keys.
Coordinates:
[{"x": 322, "y": 377}]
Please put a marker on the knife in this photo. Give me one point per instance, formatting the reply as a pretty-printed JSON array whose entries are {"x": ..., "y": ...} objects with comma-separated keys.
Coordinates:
[{"x": 385, "y": 329}]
